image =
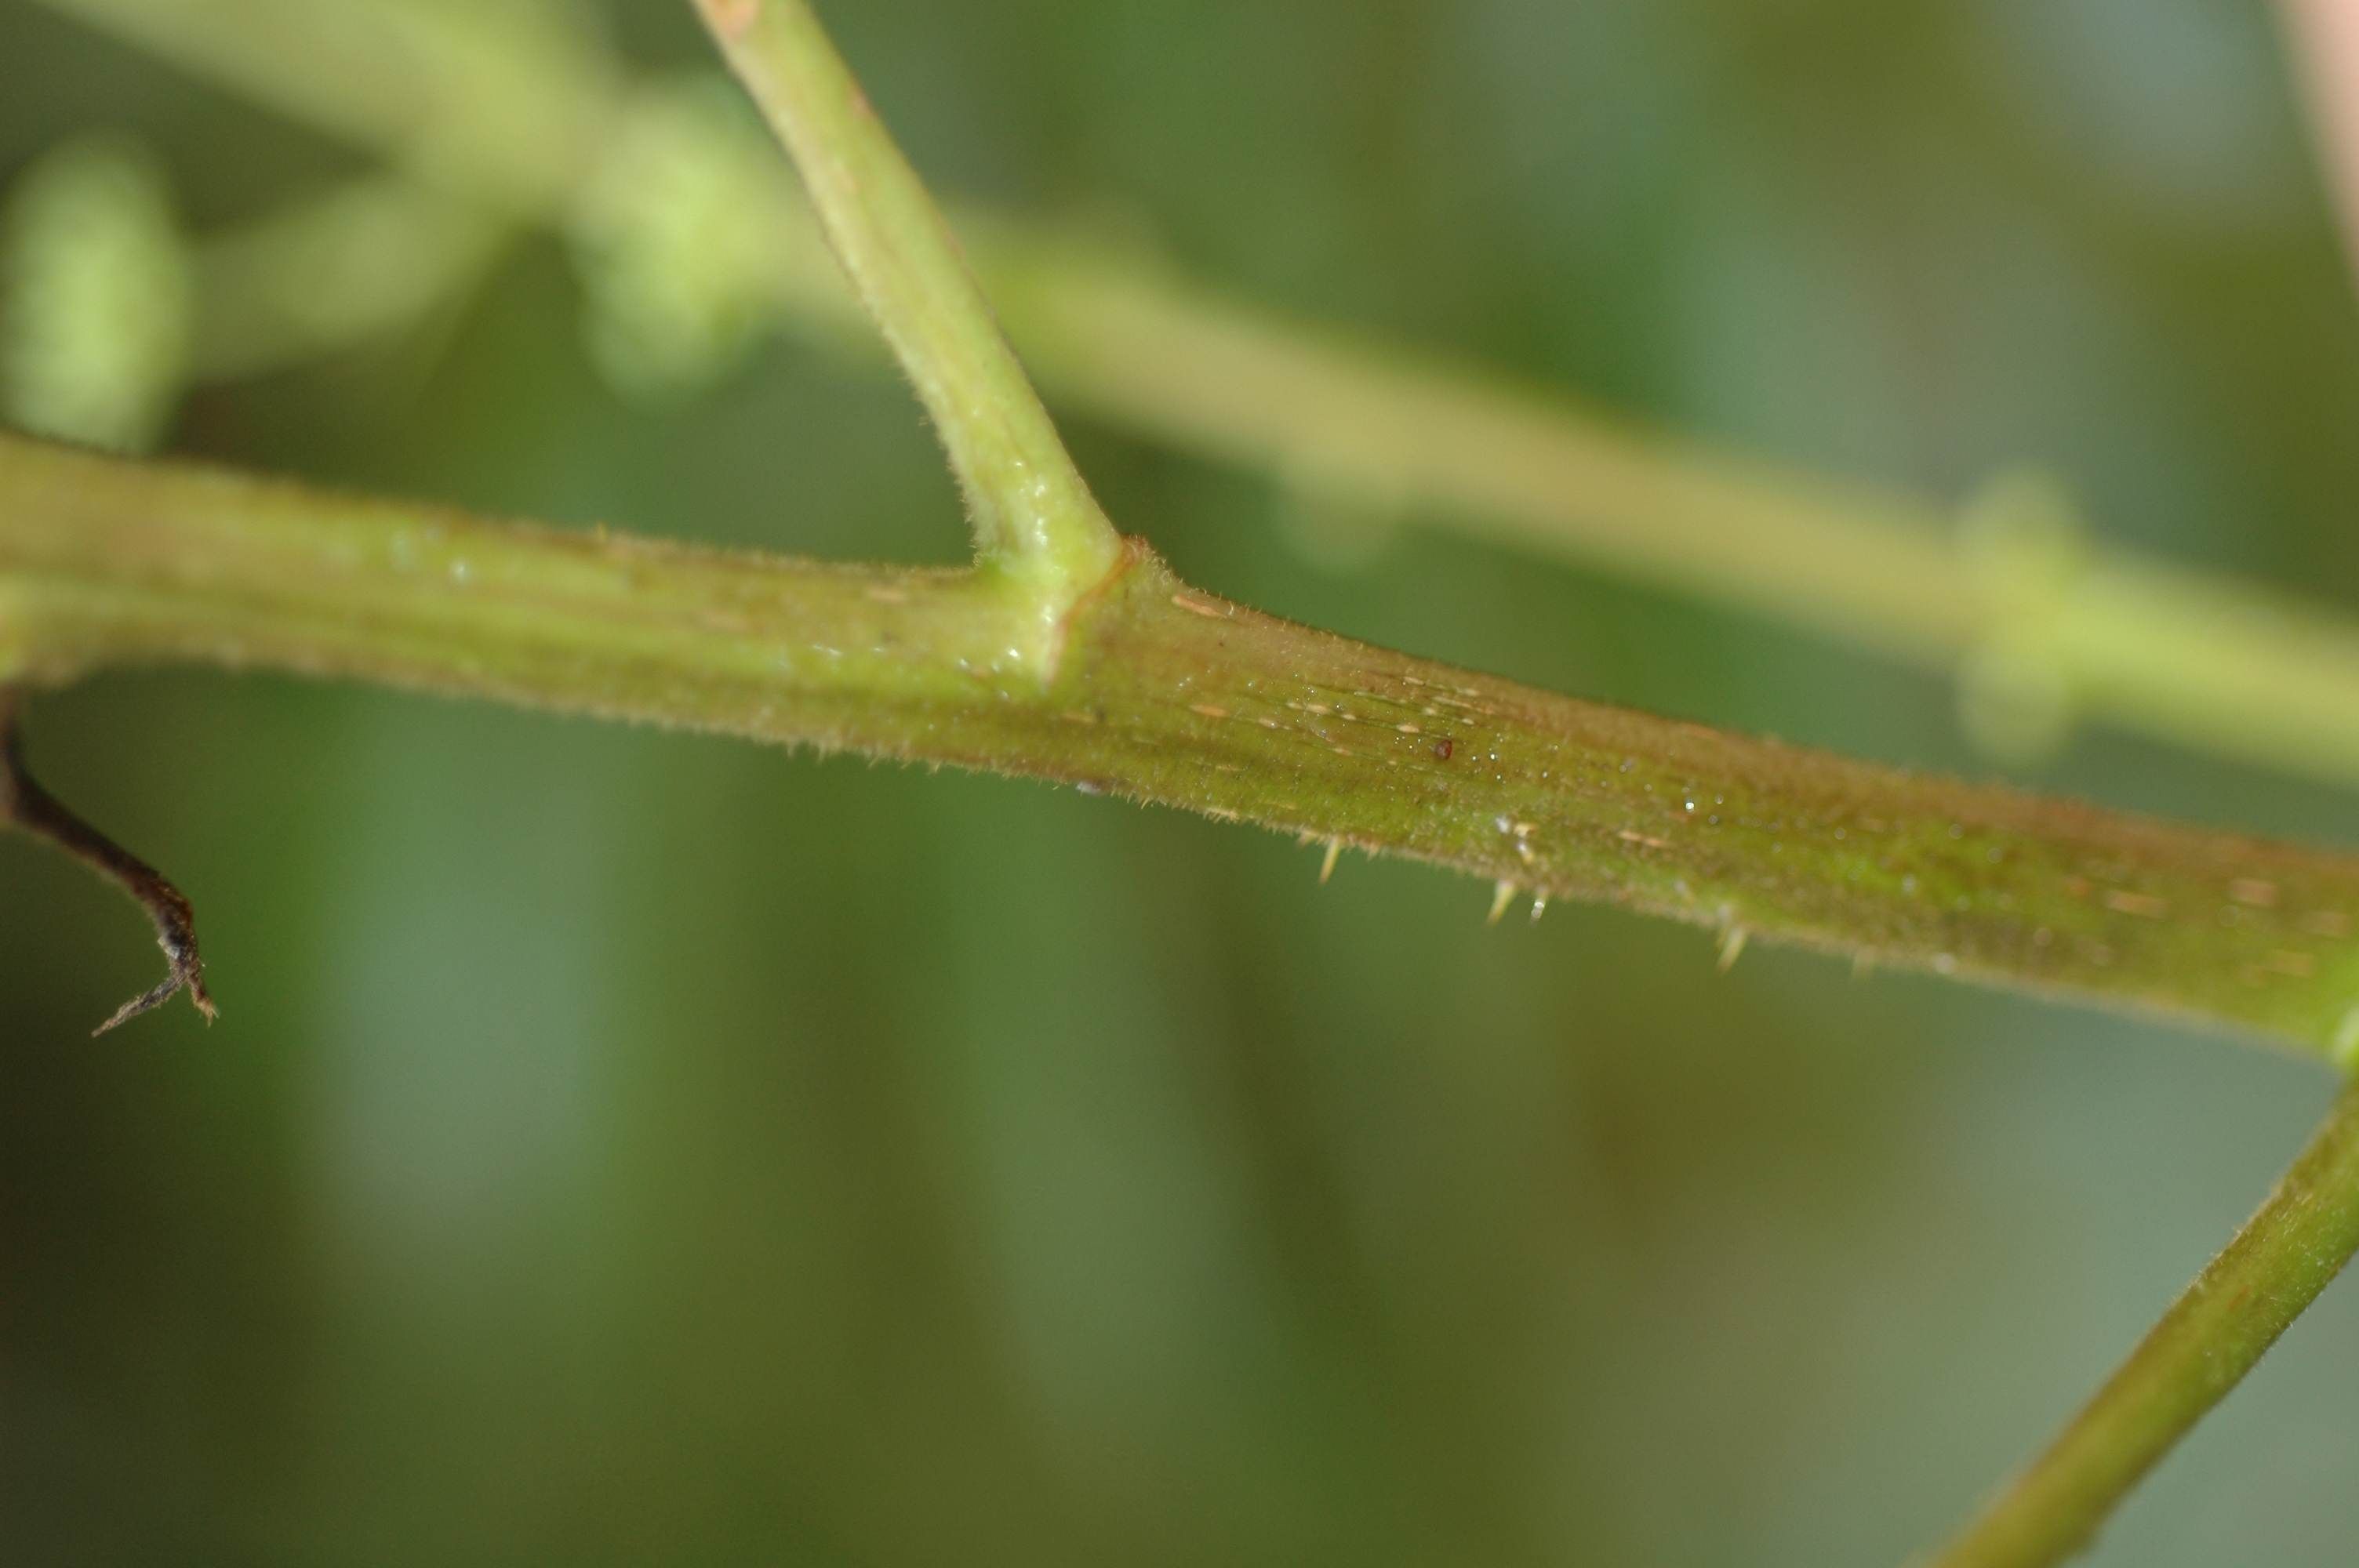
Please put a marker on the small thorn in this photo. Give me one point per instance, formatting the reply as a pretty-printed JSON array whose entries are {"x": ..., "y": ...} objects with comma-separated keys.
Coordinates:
[
  {"x": 1731, "y": 947},
  {"x": 1539, "y": 906},
  {"x": 1502, "y": 895},
  {"x": 1327, "y": 866}
]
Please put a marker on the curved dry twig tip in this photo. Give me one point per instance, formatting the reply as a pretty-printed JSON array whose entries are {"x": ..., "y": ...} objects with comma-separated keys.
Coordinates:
[{"x": 25, "y": 804}]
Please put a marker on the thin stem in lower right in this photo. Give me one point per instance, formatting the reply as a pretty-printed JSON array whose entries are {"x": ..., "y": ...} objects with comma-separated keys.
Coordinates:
[{"x": 2212, "y": 1336}]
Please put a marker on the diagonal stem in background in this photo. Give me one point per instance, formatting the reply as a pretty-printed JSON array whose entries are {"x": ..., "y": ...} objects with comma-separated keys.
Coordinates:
[
  {"x": 2286, "y": 1254},
  {"x": 26, "y": 805}
]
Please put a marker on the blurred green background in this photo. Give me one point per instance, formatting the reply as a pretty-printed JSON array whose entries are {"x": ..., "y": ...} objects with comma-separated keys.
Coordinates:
[{"x": 621, "y": 1147}]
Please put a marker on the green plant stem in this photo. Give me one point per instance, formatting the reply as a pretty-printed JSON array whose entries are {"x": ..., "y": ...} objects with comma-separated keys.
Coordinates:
[
  {"x": 2212, "y": 1335},
  {"x": 1032, "y": 512},
  {"x": 1178, "y": 698},
  {"x": 2266, "y": 681},
  {"x": 2269, "y": 682},
  {"x": 1165, "y": 695}
]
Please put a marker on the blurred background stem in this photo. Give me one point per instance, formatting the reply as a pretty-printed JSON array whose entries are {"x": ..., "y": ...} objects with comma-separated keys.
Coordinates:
[
  {"x": 2039, "y": 624},
  {"x": 354, "y": 266}
]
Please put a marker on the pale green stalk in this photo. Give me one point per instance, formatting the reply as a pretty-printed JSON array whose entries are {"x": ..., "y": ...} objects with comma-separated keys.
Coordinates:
[
  {"x": 1034, "y": 516},
  {"x": 476, "y": 97}
]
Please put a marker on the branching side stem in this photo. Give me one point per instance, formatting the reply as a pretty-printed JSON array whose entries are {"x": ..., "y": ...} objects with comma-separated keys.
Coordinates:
[{"x": 1034, "y": 516}]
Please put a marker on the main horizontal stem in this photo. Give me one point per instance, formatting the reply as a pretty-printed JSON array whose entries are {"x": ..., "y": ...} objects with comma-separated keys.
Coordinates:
[{"x": 1167, "y": 695}]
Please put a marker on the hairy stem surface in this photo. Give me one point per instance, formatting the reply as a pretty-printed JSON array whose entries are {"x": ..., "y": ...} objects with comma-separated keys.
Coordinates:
[
  {"x": 1167, "y": 695},
  {"x": 1033, "y": 514}
]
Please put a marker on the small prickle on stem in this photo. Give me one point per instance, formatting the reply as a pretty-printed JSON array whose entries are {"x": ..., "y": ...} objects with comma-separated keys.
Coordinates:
[{"x": 1502, "y": 895}]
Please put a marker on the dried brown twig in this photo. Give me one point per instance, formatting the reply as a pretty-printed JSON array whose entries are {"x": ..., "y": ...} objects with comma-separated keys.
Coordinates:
[{"x": 27, "y": 804}]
